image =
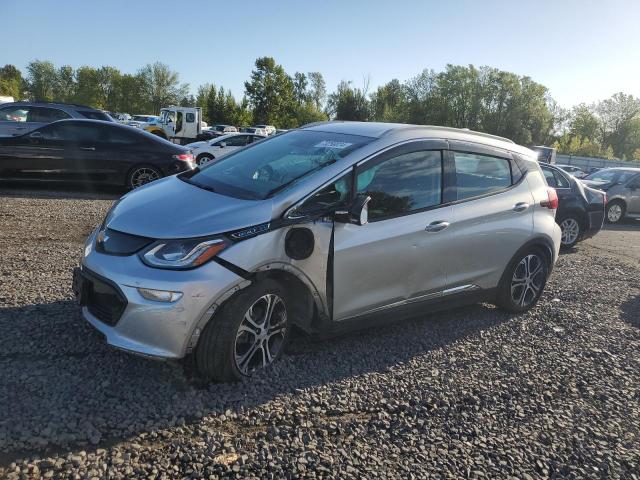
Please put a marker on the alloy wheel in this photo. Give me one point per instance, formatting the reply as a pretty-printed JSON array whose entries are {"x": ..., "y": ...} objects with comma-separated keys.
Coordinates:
[
  {"x": 203, "y": 160},
  {"x": 570, "y": 231},
  {"x": 142, "y": 176},
  {"x": 614, "y": 213},
  {"x": 261, "y": 334},
  {"x": 528, "y": 280}
]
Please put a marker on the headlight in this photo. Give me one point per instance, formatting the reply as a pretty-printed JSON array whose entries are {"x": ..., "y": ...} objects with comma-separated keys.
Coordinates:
[{"x": 182, "y": 254}]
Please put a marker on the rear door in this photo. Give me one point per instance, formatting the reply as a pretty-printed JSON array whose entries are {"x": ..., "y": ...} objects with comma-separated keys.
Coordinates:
[
  {"x": 492, "y": 216},
  {"x": 233, "y": 143},
  {"x": 633, "y": 194},
  {"x": 85, "y": 144},
  {"x": 401, "y": 255}
]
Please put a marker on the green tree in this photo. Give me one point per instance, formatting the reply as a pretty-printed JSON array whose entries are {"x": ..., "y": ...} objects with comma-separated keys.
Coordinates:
[
  {"x": 348, "y": 103},
  {"x": 161, "y": 86},
  {"x": 317, "y": 89},
  {"x": 619, "y": 125},
  {"x": 11, "y": 82},
  {"x": 41, "y": 80},
  {"x": 270, "y": 92}
]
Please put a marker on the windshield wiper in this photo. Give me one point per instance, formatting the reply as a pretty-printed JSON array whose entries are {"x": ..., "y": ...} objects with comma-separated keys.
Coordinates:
[
  {"x": 285, "y": 185},
  {"x": 196, "y": 184}
]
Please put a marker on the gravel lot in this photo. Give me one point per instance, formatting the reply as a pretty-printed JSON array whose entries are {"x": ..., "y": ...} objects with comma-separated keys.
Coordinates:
[{"x": 471, "y": 393}]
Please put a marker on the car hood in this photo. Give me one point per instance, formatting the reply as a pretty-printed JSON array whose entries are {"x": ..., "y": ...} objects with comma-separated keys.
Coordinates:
[{"x": 172, "y": 208}]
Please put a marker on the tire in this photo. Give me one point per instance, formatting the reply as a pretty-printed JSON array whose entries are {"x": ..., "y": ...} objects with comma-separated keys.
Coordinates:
[
  {"x": 515, "y": 294},
  {"x": 204, "y": 158},
  {"x": 615, "y": 211},
  {"x": 571, "y": 231},
  {"x": 227, "y": 350},
  {"x": 141, "y": 175}
]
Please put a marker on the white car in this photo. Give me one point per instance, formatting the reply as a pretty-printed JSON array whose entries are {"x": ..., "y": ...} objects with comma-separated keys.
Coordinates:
[
  {"x": 210, "y": 150},
  {"x": 571, "y": 170},
  {"x": 270, "y": 129},
  {"x": 138, "y": 121}
]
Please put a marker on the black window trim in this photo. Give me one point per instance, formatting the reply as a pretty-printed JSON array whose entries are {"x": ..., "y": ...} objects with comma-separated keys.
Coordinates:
[{"x": 481, "y": 149}]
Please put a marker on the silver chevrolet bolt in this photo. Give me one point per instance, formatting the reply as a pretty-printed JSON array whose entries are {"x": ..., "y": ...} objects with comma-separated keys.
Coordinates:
[{"x": 328, "y": 227}]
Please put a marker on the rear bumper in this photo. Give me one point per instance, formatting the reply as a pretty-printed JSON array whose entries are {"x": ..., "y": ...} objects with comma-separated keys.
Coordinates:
[{"x": 595, "y": 221}]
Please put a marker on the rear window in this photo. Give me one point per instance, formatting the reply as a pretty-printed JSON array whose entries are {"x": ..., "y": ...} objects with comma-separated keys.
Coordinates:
[
  {"x": 270, "y": 166},
  {"x": 95, "y": 115}
]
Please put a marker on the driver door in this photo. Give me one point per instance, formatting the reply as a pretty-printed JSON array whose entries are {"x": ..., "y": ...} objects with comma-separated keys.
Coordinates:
[
  {"x": 400, "y": 257},
  {"x": 40, "y": 154}
]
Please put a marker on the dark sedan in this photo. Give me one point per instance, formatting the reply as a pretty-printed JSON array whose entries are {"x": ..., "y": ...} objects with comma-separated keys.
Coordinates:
[
  {"x": 580, "y": 208},
  {"x": 91, "y": 151}
]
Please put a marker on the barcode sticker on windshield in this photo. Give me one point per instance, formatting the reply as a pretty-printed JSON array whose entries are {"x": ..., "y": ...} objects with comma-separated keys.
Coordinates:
[{"x": 332, "y": 144}]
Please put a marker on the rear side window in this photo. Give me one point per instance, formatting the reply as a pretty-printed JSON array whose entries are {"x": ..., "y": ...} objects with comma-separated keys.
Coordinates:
[
  {"x": 478, "y": 175},
  {"x": 190, "y": 117},
  {"x": 95, "y": 115},
  {"x": 236, "y": 141},
  {"x": 47, "y": 115},
  {"x": 402, "y": 184},
  {"x": 555, "y": 179},
  {"x": 75, "y": 133}
]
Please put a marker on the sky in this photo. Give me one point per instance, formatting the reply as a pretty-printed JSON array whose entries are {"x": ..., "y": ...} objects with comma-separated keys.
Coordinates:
[{"x": 583, "y": 51}]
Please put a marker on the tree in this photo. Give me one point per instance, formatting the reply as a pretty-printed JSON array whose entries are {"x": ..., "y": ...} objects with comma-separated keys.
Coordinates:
[
  {"x": 11, "y": 82},
  {"x": 388, "y": 102},
  {"x": 270, "y": 92},
  {"x": 161, "y": 86},
  {"x": 317, "y": 89},
  {"x": 618, "y": 116},
  {"x": 41, "y": 80},
  {"x": 348, "y": 103}
]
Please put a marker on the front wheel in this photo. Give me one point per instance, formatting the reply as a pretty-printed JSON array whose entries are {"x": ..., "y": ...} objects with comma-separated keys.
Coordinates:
[
  {"x": 247, "y": 334},
  {"x": 141, "y": 175},
  {"x": 615, "y": 211},
  {"x": 523, "y": 281}
]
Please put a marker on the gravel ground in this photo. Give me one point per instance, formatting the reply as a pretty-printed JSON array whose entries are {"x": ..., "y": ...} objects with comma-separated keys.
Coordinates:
[{"x": 470, "y": 393}]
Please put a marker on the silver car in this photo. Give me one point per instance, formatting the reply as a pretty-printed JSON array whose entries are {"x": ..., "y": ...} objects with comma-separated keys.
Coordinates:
[
  {"x": 622, "y": 185},
  {"x": 327, "y": 227}
]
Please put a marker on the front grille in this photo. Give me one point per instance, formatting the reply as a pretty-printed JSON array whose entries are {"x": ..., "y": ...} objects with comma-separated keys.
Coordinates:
[{"x": 103, "y": 300}]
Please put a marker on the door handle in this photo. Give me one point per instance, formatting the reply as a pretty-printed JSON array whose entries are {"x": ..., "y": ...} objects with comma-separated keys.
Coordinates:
[
  {"x": 88, "y": 148},
  {"x": 437, "y": 226},
  {"x": 520, "y": 207}
]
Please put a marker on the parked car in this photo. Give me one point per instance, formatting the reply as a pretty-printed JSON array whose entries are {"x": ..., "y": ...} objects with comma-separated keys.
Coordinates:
[
  {"x": 580, "y": 208},
  {"x": 257, "y": 131},
  {"x": 139, "y": 121},
  {"x": 18, "y": 118},
  {"x": 216, "y": 131},
  {"x": 210, "y": 150},
  {"x": 91, "y": 151},
  {"x": 325, "y": 227},
  {"x": 270, "y": 129},
  {"x": 574, "y": 171},
  {"x": 622, "y": 185},
  {"x": 545, "y": 154}
]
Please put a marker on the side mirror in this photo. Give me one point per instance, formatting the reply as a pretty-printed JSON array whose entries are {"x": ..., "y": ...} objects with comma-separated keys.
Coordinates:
[
  {"x": 358, "y": 213},
  {"x": 222, "y": 144}
]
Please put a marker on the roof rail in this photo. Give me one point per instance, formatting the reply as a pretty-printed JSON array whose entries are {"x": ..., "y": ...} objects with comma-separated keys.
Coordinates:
[{"x": 465, "y": 130}]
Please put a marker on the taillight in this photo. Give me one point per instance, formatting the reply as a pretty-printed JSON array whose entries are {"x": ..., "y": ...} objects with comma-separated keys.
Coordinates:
[
  {"x": 184, "y": 157},
  {"x": 552, "y": 199}
]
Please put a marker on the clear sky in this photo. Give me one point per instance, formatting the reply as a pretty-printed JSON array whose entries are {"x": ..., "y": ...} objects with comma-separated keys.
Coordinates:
[{"x": 581, "y": 50}]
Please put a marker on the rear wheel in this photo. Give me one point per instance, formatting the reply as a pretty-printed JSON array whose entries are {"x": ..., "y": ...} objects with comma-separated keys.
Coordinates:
[
  {"x": 204, "y": 158},
  {"x": 247, "y": 334},
  {"x": 570, "y": 227},
  {"x": 615, "y": 211},
  {"x": 141, "y": 175},
  {"x": 523, "y": 281}
]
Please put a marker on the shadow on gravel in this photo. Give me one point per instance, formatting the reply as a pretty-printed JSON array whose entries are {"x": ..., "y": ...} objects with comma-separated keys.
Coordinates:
[
  {"x": 631, "y": 311},
  {"x": 626, "y": 225},
  {"x": 79, "y": 191},
  {"x": 64, "y": 389}
]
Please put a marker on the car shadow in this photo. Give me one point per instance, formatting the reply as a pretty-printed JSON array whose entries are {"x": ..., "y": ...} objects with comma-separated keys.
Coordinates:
[
  {"x": 626, "y": 225},
  {"x": 631, "y": 311},
  {"x": 68, "y": 190},
  {"x": 64, "y": 389}
]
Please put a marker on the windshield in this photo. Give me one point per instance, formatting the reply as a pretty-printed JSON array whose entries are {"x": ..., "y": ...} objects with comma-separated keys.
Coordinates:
[
  {"x": 269, "y": 166},
  {"x": 611, "y": 176}
]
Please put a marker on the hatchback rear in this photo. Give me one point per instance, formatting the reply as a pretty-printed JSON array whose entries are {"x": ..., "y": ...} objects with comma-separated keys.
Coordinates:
[{"x": 324, "y": 228}]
